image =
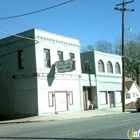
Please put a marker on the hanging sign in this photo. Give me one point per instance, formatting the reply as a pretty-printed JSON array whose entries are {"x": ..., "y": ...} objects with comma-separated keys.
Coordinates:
[{"x": 65, "y": 66}]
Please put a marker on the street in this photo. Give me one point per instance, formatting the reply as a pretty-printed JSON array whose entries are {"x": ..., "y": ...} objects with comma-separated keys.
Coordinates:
[{"x": 107, "y": 127}]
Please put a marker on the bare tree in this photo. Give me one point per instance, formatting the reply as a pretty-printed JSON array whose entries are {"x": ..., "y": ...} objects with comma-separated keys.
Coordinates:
[
  {"x": 102, "y": 46},
  {"x": 132, "y": 55}
]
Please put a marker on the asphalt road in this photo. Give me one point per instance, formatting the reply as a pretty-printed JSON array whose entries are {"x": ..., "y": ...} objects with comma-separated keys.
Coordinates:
[{"x": 103, "y": 127}]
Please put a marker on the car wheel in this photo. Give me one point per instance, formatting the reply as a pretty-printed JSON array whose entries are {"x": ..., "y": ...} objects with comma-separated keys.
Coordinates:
[{"x": 138, "y": 110}]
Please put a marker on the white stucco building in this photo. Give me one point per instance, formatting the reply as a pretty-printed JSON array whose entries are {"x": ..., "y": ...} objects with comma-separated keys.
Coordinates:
[
  {"x": 101, "y": 79},
  {"x": 29, "y": 81},
  {"x": 132, "y": 91},
  {"x": 42, "y": 72}
]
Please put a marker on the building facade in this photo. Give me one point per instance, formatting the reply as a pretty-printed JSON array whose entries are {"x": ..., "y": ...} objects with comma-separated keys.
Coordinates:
[
  {"x": 103, "y": 83},
  {"x": 42, "y": 72},
  {"x": 132, "y": 91},
  {"x": 30, "y": 82}
]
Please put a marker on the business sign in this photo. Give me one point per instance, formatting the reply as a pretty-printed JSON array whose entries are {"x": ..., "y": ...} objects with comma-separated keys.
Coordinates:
[
  {"x": 133, "y": 133},
  {"x": 65, "y": 66}
]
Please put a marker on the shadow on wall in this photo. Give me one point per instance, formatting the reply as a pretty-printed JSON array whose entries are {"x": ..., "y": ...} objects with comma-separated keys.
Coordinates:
[{"x": 50, "y": 76}]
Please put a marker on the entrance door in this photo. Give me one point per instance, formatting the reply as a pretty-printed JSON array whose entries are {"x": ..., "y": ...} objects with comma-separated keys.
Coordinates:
[
  {"x": 85, "y": 99},
  {"x": 61, "y": 101},
  {"x": 111, "y": 98}
]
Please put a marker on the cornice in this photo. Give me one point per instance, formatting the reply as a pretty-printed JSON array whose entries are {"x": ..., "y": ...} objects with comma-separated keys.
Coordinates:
[{"x": 50, "y": 40}]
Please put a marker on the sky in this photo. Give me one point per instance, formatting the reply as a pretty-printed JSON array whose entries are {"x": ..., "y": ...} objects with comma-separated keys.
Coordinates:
[{"x": 86, "y": 20}]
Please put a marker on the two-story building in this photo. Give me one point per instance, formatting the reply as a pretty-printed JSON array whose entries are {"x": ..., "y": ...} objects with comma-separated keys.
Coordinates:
[
  {"x": 101, "y": 79},
  {"x": 42, "y": 72},
  {"x": 39, "y": 73}
]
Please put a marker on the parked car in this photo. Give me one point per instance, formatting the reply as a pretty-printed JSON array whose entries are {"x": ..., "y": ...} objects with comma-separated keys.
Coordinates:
[{"x": 138, "y": 104}]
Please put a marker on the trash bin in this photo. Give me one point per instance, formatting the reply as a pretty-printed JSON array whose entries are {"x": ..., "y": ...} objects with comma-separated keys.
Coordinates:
[{"x": 91, "y": 106}]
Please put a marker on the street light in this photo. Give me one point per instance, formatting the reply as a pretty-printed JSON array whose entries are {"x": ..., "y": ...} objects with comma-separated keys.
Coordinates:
[{"x": 123, "y": 9}]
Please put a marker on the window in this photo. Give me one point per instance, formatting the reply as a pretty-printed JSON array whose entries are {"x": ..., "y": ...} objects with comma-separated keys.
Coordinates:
[
  {"x": 20, "y": 59},
  {"x": 70, "y": 97},
  {"x": 60, "y": 55},
  {"x": 101, "y": 66},
  {"x": 128, "y": 96},
  {"x": 109, "y": 67},
  {"x": 117, "y": 68},
  {"x": 0, "y": 64},
  {"x": 118, "y": 97},
  {"x": 134, "y": 94},
  {"x": 89, "y": 94},
  {"x": 87, "y": 66},
  {"x": 103, "y": 98},
  {"x": 71, "y": 55},
  {"x": 47, "y": 58},
  {"x": 50, "y": 98}
]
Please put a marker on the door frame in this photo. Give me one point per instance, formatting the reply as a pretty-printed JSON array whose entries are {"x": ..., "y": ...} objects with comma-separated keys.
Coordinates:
[{"x": 65, "y": 92}]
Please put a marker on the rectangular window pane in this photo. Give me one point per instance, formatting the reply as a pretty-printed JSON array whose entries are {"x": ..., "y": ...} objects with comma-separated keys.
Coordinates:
[
  {"x": 118, "y": 97},
  {"x": 50, "y": 96},
  {"x": 87, "y": 67},
  {"x": 71, "y": 55},
  {"x": 128, "y": 96},
  {"x": 20, "y": 59},
  {"x": 109, "y": 68},
  {"x": 100, "y": 67},
  {"x": 103, "y": 98},
  {"x": 60, "y": 55},
  {"x": 71, "y": 98},
  {"x": 47, "y": 58}
]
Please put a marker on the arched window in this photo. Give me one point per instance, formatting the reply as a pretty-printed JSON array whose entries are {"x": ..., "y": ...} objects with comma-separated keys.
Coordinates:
[
  {"x": 109, "y": 67},
  {"x": 87, "y": 66},
  {"x": 117, "y": 68},
  {"x": 101, "y": 66}
]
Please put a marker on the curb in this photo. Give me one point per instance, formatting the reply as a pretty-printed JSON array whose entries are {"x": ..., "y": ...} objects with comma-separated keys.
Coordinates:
[{"x": 60, "y": 119}]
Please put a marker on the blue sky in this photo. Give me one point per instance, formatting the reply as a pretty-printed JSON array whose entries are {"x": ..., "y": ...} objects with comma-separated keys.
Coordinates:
[{"x": 86, "y": 20}]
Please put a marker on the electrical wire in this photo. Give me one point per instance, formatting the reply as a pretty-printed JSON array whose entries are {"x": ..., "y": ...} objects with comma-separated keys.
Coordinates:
[
  {"x": 93, "y": 11},
  {"x": 18, "y": 36},
  {"x": 16, "y": 16},
  {"x": 89, "y": 23},
  {"x": 93, "y": 21}
]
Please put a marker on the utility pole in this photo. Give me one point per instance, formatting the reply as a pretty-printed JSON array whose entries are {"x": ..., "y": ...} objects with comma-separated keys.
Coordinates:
[{"x": 123, "y": 9}]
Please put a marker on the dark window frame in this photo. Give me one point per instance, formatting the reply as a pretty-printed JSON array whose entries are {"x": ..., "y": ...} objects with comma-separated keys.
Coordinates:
[
  {"x": 117, "y": 68},
  {"x": 71, "y": 98},
  {"x": 109, "y": 67},
  {"x": 47, "y": 60},
  {"x": 20, "y": 59},
  {"x": 72, "y": 54},
  {"x": 0, "y": 65},
  {"x": 58, "y": 53},
  {"x": 87, "y": 66},
  {"x": 50, "y": 97},
  {"x": 101, "y": 67}
]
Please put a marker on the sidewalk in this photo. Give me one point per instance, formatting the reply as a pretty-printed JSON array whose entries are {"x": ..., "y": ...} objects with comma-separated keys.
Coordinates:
[{"x": 68, "y": 115}]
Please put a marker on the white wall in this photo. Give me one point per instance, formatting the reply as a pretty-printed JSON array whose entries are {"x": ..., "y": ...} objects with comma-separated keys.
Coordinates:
[
  {"x": 108, "y": 81},
  {"x": 69, "y": 81},
  {"x": 56, "y": 43},
  {"x": 133, "y": 91},
  {"x": 88, "y": 79},
  {"x": 18, "y": 91},
  {"x": 69, "y": 84},
  {"x": 26, "y": 93},
  {"x": 104, "y": 81}
]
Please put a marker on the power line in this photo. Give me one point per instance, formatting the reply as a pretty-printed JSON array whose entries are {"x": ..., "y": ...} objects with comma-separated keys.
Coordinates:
[
  {"x": 92, "y": 11},
  {"x": 16, "y": 16},
  {"x": 123, "y": 9},
  {"x": 18, "y": 36},
  {"x": 92, "y": 21},
  {"x": 88, "y": 23}
]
